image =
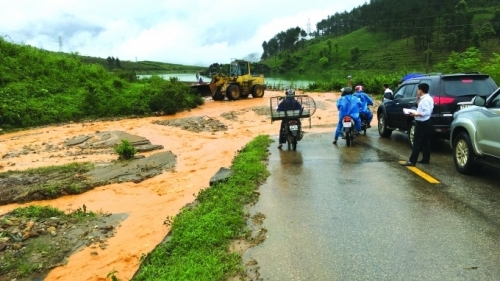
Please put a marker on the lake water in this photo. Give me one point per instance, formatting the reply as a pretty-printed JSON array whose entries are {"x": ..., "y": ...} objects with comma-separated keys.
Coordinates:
[{"x": 271, "y": 82}]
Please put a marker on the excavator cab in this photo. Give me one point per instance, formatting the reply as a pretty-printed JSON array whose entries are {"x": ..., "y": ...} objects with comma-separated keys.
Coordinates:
[{"x": 238, "y": 68}]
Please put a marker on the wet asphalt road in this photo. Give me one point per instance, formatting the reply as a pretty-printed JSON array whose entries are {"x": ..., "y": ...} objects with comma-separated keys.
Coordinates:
[{"x": 353, "y": 213}]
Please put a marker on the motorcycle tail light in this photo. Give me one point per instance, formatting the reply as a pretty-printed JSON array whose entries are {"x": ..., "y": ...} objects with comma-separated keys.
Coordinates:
[
  {"x": 293, "y": 122},
  {"x": 347, "y": 119}
]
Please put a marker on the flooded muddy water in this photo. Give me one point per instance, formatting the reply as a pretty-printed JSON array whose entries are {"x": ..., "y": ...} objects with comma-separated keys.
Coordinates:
[{"x": 199, "y": 154}]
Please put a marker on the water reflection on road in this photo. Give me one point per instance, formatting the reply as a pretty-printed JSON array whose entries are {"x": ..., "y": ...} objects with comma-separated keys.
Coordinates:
[{"x": 352, "y": 213}]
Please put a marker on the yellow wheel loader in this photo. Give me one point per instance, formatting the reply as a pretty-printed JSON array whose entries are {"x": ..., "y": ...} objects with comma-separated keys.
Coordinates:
[{"x": 240, "y": 83}]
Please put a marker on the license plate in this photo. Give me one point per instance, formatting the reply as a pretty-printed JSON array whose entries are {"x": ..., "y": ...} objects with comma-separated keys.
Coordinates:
[
  {"x": 347, "y": 124},
  {"x": 462, "y": 105},
  {"x": 294, "y": 127}
]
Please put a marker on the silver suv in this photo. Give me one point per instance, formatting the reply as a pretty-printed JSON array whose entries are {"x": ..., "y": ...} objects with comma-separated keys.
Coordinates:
[{"x": 475, "y": 134}]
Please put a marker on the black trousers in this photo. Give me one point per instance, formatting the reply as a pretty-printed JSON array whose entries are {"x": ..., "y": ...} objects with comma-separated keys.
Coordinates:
[{"x": 421, "y": 142}]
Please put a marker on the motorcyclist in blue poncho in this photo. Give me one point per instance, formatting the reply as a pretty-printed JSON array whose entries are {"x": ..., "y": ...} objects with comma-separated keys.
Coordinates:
[
  {"x": 348, "y": 105},
  {"x": 289, "y": 103},
  {"x": 366, "y": 101}
]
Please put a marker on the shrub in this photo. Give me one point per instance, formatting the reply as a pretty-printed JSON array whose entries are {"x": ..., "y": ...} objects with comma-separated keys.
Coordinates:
[{"x": 125, "y": 150}]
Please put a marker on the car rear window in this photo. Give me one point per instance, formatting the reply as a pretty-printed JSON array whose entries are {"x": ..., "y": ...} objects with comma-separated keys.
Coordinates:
[{"x": 468, "y": 86}]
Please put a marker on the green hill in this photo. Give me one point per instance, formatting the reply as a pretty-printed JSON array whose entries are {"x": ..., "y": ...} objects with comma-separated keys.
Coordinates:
[
  {"x": 387, "y": 36},
  {"x": 39, "y": 87}
]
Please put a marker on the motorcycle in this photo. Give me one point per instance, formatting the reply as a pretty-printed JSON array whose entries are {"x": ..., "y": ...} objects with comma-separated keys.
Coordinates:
[
  {"x": 364, "y": 123},
  {"x": 348, "y": 131},
  {"x": 290, "y": 114},
  {"x": 293, "y": 131}
]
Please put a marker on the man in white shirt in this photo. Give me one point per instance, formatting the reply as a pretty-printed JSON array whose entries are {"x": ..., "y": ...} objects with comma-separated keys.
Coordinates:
[
  {"x": 388, "y": 94},
  {"x": 423, "y": 129}
]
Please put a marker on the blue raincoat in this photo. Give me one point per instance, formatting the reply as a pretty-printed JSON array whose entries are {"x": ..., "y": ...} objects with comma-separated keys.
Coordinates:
[
  {"x": 348, "y": 105},
  {"x": 365, "y": 101}
]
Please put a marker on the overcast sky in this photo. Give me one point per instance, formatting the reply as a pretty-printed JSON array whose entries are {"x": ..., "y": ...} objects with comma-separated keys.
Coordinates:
[{"x": 196, "y": 32}]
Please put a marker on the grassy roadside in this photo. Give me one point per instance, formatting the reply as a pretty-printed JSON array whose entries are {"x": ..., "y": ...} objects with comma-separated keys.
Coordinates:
[{"x": 197, "y": 246}]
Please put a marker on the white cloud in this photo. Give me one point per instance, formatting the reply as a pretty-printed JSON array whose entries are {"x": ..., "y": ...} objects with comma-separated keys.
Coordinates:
[{"x": 196, "y": 32}]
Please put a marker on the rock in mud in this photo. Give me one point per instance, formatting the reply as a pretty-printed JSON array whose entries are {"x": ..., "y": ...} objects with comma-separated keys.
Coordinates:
[
  {"x": 110, "y": 139},
  {"x": 135, "y": 170},
  {"x": 222, "y": 175},
  {"x": 77, "y": 140},
  {"x": 148, "y": 147},
  {"x": 195, "y": 124}
]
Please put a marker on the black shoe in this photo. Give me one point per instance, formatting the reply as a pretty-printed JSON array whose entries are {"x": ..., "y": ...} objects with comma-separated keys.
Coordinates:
[
  {"x": 423, "y": 162},
  {"x": 335, "y": 142},
  {"x": 408, "y": 163}
]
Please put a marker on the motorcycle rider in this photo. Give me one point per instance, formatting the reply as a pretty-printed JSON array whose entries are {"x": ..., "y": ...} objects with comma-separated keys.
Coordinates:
[
  {"x": 289, "y": 103},
  {"x": 348, "y": 105},
  {"x": 366, "y": 101}
]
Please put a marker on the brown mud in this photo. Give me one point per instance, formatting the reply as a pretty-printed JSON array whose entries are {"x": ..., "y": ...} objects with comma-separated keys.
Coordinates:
[{"x": 181, "y": 154}]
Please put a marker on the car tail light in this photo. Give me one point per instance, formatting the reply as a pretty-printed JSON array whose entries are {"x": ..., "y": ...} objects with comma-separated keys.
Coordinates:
[
  {"x": 443, "y": 100},
  {"x": 347, "y": 119}
]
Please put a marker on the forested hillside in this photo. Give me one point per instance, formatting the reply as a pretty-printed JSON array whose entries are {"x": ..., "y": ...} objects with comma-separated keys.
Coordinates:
[{"x": 388, "y": 35}]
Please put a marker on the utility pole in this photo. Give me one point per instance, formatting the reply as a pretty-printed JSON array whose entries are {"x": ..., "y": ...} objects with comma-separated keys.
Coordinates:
[
  {"x": 60, "y": 44},
  {"x": 308, "y": 28}
]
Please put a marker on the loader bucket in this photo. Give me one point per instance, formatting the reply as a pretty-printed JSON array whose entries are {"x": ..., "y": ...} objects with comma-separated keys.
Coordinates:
[{"x": 204, "y": 89}]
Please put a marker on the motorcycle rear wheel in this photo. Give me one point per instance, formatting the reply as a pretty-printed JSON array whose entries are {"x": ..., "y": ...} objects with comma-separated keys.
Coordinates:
[{"x": 348, "y": 138}]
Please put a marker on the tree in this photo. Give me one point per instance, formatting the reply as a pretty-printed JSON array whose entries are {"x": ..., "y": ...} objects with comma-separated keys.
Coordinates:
[
  {"x": 265, "y": 49},
  {"x": 323, "y": 61},
  {"x": 329, "y": 43},
  {"x": 354, "y": 54},
  {"x": 110, "y": 62},
  {"x": 467, "y": 61}
]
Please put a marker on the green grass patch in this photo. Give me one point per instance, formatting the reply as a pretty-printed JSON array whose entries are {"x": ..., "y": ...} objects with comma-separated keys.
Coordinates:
[
  {"x": 34, "y": 211},
  {"x": 200, "y": 236}
]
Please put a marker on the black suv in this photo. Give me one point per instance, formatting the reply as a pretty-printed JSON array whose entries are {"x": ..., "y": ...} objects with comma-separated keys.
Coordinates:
[{"x": 446, "y": 90}]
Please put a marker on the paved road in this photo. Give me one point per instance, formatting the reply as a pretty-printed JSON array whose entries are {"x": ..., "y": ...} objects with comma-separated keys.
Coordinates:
[{"x": 353, "y": 213}]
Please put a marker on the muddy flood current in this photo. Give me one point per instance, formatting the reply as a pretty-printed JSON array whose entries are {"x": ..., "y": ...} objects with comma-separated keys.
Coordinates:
[{"x": 208, "y": 139}]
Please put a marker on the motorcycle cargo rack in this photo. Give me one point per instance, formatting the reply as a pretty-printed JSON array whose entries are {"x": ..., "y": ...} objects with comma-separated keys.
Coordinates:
[{"x": 308, "y": 108}]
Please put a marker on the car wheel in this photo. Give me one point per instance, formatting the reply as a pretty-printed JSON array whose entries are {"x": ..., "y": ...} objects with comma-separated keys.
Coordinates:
[
  {"x": 382, "y": 126},
  {"x": 463, "y": 155},
  {"x": 411, "y": 132}
]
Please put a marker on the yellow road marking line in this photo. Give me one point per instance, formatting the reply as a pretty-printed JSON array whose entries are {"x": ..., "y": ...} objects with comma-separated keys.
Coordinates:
[{"x": 423, "y": 174}]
